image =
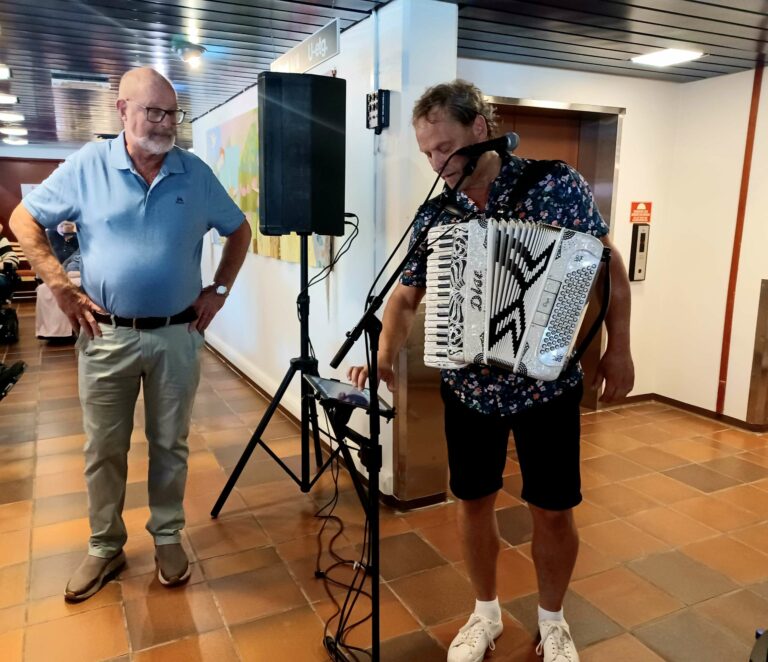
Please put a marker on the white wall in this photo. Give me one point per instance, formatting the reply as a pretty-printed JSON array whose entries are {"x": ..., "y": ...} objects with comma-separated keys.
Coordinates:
[
  {"x": 386, "y": 178},
  {"x": 696, "y": 241}
]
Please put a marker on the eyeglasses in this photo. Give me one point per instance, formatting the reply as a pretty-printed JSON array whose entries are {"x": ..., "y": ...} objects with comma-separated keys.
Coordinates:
[{"x": 157, "y": 115}]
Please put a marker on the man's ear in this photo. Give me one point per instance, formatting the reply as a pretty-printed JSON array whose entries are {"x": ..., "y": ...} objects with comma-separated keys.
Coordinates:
[
  {"x": 120, "y": 104},
  {"x": 480, "y": 128}
]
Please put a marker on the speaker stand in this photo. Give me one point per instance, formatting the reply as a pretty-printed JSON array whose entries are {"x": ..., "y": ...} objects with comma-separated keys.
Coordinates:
[{"x": 304, "y": 365}]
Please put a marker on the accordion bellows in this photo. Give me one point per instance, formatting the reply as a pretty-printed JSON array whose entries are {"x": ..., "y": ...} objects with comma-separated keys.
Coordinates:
[{"x": 507, "y": 293}]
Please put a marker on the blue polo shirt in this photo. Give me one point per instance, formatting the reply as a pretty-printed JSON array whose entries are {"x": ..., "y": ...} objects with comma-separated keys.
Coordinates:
[{"x": 140, "y": 245}]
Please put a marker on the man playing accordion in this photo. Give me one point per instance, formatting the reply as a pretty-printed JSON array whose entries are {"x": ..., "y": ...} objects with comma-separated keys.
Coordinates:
[{"x": 483, "y": 404}]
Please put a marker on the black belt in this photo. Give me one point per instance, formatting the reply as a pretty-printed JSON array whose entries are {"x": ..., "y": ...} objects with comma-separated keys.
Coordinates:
[{"x": 146, "y": 323}]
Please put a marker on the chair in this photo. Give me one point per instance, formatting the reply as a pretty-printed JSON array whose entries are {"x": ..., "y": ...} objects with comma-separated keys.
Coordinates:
[{"x": 25, "y": 291}]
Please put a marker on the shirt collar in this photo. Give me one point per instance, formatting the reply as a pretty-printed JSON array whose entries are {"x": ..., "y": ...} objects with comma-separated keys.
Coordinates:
[{"x": 118, "y": 157}]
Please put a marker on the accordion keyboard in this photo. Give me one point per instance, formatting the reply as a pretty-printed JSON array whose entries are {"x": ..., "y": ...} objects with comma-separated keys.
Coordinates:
[{"x": 444, "y": 285}]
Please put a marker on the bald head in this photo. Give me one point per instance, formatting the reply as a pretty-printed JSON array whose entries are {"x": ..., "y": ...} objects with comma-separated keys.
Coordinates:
[{"x": 144, "y": 80}]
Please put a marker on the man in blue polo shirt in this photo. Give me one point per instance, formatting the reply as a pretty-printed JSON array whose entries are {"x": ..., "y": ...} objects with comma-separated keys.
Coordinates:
[{"x": 142, "y": 207}]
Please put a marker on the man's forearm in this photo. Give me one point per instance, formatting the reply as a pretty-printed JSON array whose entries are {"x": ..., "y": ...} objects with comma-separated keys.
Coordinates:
[
  {"x": 617, "y": 319},
  {"x": 36, "y": 247},
  {"x": 233, "y": 255}
]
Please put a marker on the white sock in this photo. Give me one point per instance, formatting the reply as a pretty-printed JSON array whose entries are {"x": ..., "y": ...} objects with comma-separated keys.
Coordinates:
[
  {"x": 545, "y": 615},
  {"x": 489, "y": 609}
]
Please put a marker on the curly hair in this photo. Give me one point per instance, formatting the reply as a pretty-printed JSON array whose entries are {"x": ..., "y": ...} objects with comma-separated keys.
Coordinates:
[{"x": 462, "y": 100}]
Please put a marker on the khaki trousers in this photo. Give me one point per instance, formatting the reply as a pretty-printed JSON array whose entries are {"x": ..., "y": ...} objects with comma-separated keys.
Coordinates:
[{"x": 111, "y": 369}]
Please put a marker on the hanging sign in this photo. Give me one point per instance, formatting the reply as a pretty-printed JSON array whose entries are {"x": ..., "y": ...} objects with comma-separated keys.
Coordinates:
[{"x": 321, "y": 46}]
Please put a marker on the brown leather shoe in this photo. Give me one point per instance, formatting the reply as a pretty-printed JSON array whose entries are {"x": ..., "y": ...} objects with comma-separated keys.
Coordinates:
[
  {"x": 172, "y": 564},
  {"x": 91, "y": 575}
]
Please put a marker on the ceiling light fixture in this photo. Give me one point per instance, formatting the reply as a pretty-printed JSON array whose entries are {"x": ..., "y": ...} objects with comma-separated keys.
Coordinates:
[
  {"x": 13, "y": 140},
  {"x": 13, "y": 130},
  {"x": 667, "y": 57},
  {"x": 189, "y": 52},
  {"x": 6, "y": 116},
  {"x": 5, "y": 72},
  {"x": 8, "y": 98}
]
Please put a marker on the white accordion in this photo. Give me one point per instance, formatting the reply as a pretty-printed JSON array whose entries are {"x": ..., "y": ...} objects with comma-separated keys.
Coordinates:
[{"x": 507, "y": 293}]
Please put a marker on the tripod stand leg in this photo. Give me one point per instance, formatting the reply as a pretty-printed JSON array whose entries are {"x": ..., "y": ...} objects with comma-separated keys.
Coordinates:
[
  {"x": 255, "y": 439},
  {"x": 316, "y": 432},
  {"x": 306, "y": 407}
]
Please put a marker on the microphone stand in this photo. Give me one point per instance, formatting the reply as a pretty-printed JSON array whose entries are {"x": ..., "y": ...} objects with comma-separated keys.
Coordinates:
[{"x": 371, "y": 326}]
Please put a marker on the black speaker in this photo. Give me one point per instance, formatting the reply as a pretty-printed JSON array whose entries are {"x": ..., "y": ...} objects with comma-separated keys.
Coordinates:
[{"x": 302, "y": 131}]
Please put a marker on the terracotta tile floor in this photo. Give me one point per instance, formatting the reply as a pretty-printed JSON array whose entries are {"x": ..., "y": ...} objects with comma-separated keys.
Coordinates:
[{"x": 673, "y": 565}]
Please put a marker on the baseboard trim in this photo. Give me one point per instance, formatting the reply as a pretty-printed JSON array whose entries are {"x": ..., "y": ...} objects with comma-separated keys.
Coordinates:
[{"x": 699, "y": 411}]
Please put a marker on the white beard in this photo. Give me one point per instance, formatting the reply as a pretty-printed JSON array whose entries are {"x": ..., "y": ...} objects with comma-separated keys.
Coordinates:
[{"x": 156, "y": 145}]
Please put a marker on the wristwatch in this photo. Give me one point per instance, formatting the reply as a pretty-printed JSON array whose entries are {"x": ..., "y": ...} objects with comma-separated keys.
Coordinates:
[{"x": 221, "y": 290}]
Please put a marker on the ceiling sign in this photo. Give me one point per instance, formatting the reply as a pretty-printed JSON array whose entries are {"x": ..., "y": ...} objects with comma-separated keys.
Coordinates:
[{"x": 321, "y": 46}]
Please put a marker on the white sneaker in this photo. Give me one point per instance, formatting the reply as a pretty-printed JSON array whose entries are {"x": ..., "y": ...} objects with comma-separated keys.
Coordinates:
[
  {"x": 474, "y": 639},
  {"x": 556, "y": 644}
]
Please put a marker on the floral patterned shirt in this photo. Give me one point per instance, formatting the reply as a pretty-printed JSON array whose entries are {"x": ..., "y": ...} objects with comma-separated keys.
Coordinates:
[{"x": 562, "y": 198}]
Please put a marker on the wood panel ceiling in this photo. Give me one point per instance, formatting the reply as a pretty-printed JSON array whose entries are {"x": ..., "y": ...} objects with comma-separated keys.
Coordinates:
[
  {"x": 242, "y": 38},
  {"x": 603, "y": 35}
]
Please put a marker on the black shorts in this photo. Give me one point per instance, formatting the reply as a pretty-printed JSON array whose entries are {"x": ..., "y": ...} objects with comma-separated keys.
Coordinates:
[{"x": 547, "y": 442}]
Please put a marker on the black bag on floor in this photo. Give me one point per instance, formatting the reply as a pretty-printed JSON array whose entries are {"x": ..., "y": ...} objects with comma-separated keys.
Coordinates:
[
  {"x": 9, "y": 376},
  {"x": 9, "y": 326}
]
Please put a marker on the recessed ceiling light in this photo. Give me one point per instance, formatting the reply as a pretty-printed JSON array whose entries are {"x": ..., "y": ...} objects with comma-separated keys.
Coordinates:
[
  {"x": 8, "y": 98},
  {"x": 6, "y": 116},
  {"x": 189, "y": 52},
  {"x": 5, "y": 72},
  {"x": 667, "y": 57},
  {"x": 13, "y": 140},
  {"x": 13, "y": 130}
]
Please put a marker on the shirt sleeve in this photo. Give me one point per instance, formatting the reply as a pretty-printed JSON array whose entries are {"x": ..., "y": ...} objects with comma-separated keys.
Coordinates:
[
  {"x": 415, "y": 271},
  {"x": 57, "y": 198},
  {"x": 223, "y": 214},
  {"x": 565, "y": 199}
]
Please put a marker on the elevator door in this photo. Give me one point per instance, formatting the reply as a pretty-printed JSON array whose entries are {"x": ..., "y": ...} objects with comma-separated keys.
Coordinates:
[{"x": 544, "y": 133}]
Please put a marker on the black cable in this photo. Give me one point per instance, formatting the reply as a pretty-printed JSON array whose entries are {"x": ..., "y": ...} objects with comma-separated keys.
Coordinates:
[
  {"x": 336, "y": 645},
  {"x": 345, "y": 246},
  {"x": 326, "y": 270},
  {"x": 337, "y": 642}
]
